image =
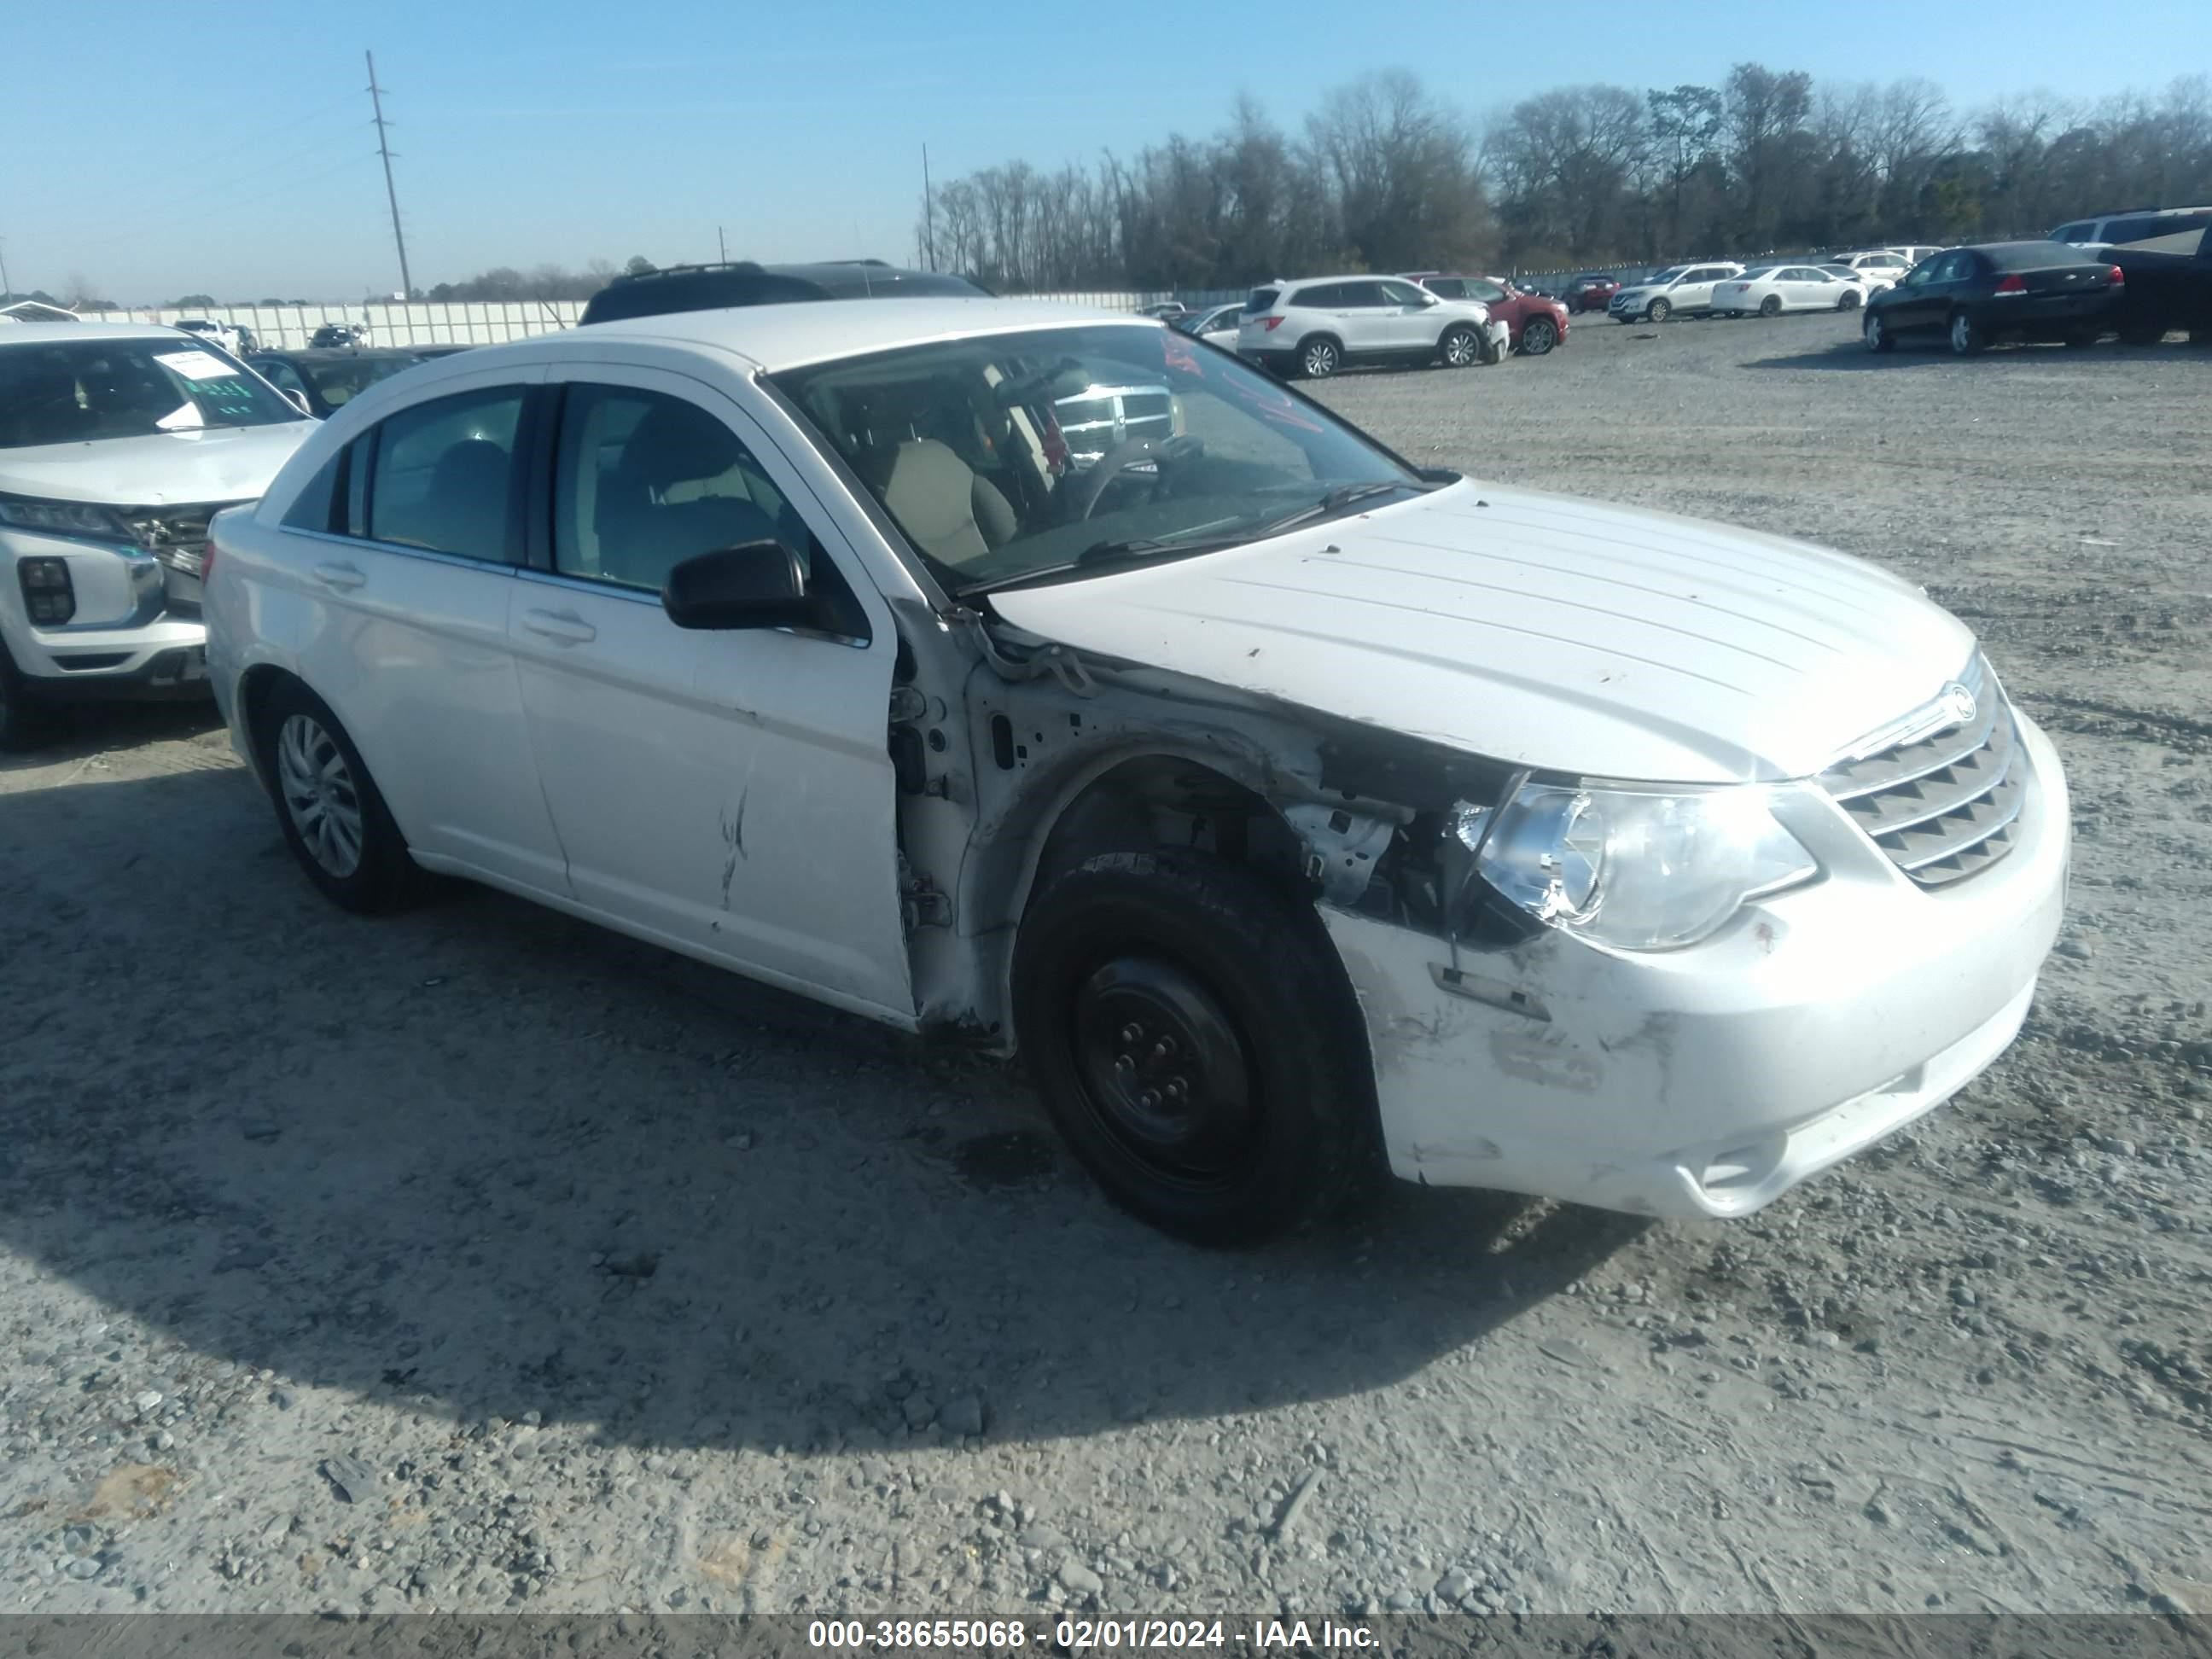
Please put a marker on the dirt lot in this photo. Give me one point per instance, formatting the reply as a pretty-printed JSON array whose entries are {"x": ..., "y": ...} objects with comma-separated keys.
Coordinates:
[{"x": 479, "y": 1260}]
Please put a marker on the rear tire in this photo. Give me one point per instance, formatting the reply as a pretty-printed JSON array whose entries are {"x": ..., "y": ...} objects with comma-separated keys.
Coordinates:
[
  {"x": 332, "y": 816},
  {"x": 1196, "y": 1044},
  {"x": 1965, "y": 336},
  {"x": 1320, "y": 357},
  {"x": 1658, "y": 312}
]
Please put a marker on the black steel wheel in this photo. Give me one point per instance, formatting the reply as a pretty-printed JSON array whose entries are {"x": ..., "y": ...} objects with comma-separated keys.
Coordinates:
[{"x": 1197, "y": 1045}]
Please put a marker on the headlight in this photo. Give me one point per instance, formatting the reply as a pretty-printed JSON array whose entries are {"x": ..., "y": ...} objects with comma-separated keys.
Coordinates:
[
  {"x": 1638, "y": 870},
  {"x": 64, "y": 518}
]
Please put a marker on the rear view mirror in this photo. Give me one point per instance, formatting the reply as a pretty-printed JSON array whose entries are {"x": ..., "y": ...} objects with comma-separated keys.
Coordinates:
[{"x": 754, "y": 585}]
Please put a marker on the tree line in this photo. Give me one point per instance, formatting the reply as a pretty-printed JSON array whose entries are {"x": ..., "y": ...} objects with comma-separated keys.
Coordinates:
[{"x": 1386, "y": 176}]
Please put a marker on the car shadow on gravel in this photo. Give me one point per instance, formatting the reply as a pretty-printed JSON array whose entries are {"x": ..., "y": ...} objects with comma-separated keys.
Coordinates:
[
  {"x": 483, "y": 1160},
  {"x": 1854, "y": 356},
  {"x": 71, "y": 732}
]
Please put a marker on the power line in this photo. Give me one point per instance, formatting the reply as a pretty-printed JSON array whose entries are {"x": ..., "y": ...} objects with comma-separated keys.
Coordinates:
[{"x": 384, "y": 149}]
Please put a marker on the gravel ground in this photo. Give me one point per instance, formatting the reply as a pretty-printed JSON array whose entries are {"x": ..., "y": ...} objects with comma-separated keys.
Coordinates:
[{"x": 478, "y": 1259}]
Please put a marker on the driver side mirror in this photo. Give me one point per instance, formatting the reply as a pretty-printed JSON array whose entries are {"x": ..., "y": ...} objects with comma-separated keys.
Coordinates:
[
  {"x": 753, "y": 584},
  {"x": 1429, "y": 299}
]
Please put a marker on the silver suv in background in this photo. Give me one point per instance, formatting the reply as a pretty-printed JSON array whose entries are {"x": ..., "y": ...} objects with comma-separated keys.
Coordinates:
[
  {"x": 1316, "y": 326},
  {"x": 1677, "y": 291},
  {"x": 117, "y": 445}
]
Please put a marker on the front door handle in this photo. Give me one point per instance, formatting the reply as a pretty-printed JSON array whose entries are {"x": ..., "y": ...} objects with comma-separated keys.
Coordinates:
[
  {"x": 344, "y": 577},
  {"x": 566, "y": 626}
]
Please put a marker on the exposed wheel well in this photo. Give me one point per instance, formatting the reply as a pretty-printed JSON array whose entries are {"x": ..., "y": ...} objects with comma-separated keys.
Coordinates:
[
  {"x": 1151, "y": 802},
  {"x": 253, "y": 692}
]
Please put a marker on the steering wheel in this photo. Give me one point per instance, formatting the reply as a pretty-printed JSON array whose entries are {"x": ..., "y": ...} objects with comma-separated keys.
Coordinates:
[{"x": 1083, "y": 498}]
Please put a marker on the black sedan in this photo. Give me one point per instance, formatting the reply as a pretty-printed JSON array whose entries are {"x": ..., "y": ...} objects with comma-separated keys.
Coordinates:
[
  {"x": 1999, "y": 290},
  {"x": 324, "y": 382}
]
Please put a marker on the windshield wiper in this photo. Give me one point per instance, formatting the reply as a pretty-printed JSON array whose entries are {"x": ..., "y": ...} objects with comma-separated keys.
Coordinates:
[
  {"x": 1335, "y": 501},
  {"x": 1133, "y": 550}
]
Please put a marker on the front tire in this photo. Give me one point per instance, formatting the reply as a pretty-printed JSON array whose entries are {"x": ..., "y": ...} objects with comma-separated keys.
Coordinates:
[
  {"x": 1848, "y": 301},
  {"x": 332, "y": 816},
  {"x": 1538, "y": 336},
  {"x": 1658, "y": 312},
  {"x": 1771, "y": 305},
  {"x": 1196, "y": 1044},
  {"x": 1320, "y": 358},
  {"x": 1460, "y": 348},
  {"x": 1966, "y": 337},
  {"x": 22, "y": 722}
]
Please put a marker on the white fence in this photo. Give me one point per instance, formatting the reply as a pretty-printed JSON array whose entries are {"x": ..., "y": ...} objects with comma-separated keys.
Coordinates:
[{"x": 486, "y": 322}]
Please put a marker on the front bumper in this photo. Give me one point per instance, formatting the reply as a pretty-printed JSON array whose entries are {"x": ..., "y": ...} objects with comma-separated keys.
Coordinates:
[
  {"x": 1707, "y": 1082},
  {"x": 136, "y": 630}
]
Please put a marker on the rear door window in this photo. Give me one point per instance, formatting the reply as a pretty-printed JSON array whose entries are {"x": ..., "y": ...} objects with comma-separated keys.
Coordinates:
[{"x": 443, "y": 477}]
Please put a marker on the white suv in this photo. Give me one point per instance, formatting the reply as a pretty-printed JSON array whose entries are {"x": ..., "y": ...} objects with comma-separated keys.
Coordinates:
[
  {"x": 1316, "y": 326},
  {"x": 1879, "y": 268},
  {"x": 223, "y": 334},
  {"x": 1677, "y": 291},
  {"x": 1288, "y": 806},
  {"x": 117, "y": 445}
]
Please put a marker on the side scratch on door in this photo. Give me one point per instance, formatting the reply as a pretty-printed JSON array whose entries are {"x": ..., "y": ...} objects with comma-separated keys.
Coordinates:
[{"x": 733, "y": 838}]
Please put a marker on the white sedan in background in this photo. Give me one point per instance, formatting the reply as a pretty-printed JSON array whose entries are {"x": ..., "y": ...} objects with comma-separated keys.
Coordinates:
[
  {"x": 1217, "y": 326},
  {"x": 1870, "y": 282},
  {"x": 1770, "y": 290}
]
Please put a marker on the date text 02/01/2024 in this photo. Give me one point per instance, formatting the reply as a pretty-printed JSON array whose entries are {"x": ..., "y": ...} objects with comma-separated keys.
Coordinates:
[{"x": 1076, "y": 1635}]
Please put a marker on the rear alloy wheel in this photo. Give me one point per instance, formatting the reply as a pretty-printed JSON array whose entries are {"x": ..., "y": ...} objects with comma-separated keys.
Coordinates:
[
  {"x": 1965, "y": 337},
  {"x": 332, "y": 816},
  {"x": 1876, "y": 333},
  {"x": 1196, "y": 1045},
  {"x": 1461, "y": 347},
  {"x": 1538, "y": 336},
  {"x": 1319, "y": 359},
  {"x": 1771, "y": 305},
  {"x": 1658, "y": 312}
]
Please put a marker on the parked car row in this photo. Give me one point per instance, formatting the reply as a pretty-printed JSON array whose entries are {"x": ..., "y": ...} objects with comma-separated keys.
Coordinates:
[{"x": 988, "y": 697}]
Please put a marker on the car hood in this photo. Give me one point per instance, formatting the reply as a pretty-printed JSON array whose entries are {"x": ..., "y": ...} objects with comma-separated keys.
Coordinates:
[
  {"x": 216, "y": 464},
  {"x": 1562, "y": 634}
]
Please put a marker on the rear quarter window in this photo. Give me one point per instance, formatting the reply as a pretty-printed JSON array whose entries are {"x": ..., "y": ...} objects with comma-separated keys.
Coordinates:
[{"x": 1260, "y": 300}]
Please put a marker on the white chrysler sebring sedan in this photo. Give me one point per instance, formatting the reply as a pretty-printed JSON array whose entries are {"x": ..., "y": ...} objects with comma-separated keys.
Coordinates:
[{"x": 1291, "y": 807}]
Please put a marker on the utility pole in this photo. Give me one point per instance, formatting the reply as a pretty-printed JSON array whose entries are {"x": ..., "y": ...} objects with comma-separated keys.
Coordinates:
[
  {"x": 928, "y": 210},
  {"x": 376, "y": 101},
  {"x": 722, "y": 242}
]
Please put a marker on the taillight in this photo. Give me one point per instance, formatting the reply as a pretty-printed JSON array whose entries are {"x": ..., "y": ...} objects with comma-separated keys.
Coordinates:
[
  {"x": 1271, "y": 324},
  {"x": 208, "y": 550},
  {"x": 2119, "y": 277},
  {"x": 2014, "y": 284}
]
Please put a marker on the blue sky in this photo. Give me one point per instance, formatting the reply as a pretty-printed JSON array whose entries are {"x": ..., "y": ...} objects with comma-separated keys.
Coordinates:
[{"x": 570, "y": 131}]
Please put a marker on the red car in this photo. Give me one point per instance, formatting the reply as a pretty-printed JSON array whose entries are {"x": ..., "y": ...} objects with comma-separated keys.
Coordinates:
[
  {"x": 1592, "y": 292},
  {"x": 1536, "y": 323}
]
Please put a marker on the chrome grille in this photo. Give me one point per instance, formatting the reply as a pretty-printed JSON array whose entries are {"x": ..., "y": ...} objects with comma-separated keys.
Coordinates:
[
  {"x": 1098, "y": 417},
  {"x": 1942, "y": 803}
]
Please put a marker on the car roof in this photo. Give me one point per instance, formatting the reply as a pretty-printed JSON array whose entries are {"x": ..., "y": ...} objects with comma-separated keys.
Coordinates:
[
  {"x": 775, "y": 337},
  {"x": 25, "y": 333}
]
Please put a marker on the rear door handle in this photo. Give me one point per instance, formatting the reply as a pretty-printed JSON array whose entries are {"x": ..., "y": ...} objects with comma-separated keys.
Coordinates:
[
  {"x": 344, "y": 577},
  {"x": 565, "y": 626}
]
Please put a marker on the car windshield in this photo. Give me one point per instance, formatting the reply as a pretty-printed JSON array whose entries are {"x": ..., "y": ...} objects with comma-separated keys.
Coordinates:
[
  {"x": 1015, "y": 455},
  {"x": 84, "y": 390}
]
